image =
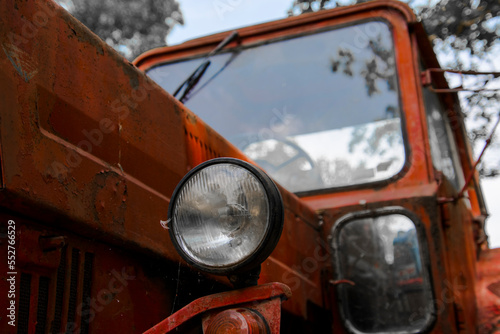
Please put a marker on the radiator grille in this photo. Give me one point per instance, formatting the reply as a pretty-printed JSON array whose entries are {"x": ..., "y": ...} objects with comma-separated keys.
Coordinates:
[
  {"x": 24, "y": 303},
  {"x": 50, "y": 304}
]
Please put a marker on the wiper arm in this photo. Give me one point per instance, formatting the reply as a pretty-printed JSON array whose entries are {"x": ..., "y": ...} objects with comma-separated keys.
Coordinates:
[
  {"x": 193, "y": 79},
  {"x": 234, "y": 54}
]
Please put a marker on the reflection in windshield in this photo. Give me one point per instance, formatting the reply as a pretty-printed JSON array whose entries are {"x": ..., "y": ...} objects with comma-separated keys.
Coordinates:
[{"x": 317, "y": 111}]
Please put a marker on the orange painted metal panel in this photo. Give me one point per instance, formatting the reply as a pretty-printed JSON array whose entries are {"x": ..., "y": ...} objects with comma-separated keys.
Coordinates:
[{"x": 91, "y": 145}]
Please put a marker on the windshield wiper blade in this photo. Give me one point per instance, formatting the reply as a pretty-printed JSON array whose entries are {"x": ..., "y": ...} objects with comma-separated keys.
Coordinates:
[{"x": 193, "y": 79}]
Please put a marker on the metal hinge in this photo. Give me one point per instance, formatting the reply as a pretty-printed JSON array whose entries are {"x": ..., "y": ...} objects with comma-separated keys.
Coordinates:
[
  {"x": 427, "y": 80},
  {"x": 445, "y": 215},
  {"x": 459, "y": 317}
]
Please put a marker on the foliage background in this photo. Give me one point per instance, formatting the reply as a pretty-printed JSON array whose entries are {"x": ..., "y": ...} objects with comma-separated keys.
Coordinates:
[{"x": 130, "y": 26}]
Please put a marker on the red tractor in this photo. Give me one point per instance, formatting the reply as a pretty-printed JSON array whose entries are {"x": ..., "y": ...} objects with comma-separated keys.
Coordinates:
[{"x": 299, "y": 176}]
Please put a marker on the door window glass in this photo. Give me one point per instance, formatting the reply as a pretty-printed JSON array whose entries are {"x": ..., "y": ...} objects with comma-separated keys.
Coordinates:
[
  {"x": 440, "y": 138},
  {"x": 389, "y": 288}
]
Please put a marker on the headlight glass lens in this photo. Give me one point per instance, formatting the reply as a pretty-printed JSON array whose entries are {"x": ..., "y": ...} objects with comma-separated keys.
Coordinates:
[{"x": 221, "y": 215}]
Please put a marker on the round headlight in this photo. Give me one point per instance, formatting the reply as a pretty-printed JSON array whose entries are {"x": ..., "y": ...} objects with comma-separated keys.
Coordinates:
[{"x": 226, "y": 216}]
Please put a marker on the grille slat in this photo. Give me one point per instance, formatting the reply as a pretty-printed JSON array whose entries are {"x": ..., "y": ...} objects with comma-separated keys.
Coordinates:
[
  {"x": 43, "y": 300},
  {"x": 73, "y": 289},
  {"x": 87, "y": 285},
  {"x": 61, "y": 281},
  {"x": 24, "y": 303}
]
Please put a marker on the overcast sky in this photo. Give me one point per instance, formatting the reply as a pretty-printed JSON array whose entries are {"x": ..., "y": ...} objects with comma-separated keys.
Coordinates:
[{"x": 207, "y": 17}]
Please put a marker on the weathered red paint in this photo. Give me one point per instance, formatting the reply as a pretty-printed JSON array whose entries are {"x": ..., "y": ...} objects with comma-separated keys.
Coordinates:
[
  {"x": 488, "y": 291},
  {"x": 91, "y": 150},
  {"x": 91, "y": 146},
  {"x": 248, "y": 297}
]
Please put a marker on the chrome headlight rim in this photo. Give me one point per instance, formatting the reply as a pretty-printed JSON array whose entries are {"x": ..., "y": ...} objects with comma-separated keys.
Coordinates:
[{"x": 272, "y": 234}]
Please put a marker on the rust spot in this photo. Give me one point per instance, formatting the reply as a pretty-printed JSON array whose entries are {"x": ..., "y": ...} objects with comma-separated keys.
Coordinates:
[
  {"x": 131, "y": 72},
  {"x": 176, "y": 109},
  {"x": 109, "y": 195},
  {"x": 82, "y": 33},
  {"x": 191, "y": 118},
  {"x": 495, "y": 288}
]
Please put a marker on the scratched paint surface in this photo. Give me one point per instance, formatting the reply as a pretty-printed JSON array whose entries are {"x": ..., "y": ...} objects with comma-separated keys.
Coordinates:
[{"x": 21, "y": 61}]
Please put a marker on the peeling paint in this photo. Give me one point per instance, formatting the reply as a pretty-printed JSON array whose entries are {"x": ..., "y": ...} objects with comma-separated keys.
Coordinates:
[
  {"x": 495, "y": 288},
  {"x": 82, "y": 33},
  {"x": 21, "y": 61},
  {"x": 132, "y": 73},
  {"x": 110, "y": 197}
]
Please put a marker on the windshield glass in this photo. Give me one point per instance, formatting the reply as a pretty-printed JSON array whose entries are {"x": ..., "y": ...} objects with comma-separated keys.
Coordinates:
[{"x": 315, "y": 111}]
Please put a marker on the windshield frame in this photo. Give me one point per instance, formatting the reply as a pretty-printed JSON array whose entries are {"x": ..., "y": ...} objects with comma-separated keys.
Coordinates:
[{"x": 353, "y": 23}]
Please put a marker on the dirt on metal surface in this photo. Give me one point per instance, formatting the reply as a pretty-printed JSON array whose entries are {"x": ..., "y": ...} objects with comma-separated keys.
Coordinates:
[{"x": 488, "y": 291}]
